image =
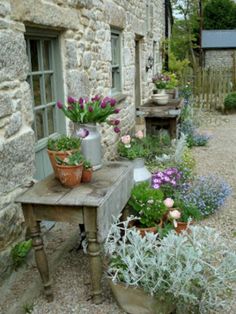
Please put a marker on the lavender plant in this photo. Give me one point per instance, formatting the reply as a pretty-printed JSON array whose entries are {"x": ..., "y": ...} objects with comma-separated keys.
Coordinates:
[
  {"x": 208, "y": 193},
  {"x": 197, "y": 270}
]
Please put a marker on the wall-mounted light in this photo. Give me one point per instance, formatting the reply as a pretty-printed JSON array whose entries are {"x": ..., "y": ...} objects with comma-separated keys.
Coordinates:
[{"x": 150, "y": 63}]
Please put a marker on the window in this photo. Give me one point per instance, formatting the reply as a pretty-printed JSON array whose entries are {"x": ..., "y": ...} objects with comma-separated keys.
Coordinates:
[
  {"x": 43, "y": 81},
  {"x": 116, "y": 61}
]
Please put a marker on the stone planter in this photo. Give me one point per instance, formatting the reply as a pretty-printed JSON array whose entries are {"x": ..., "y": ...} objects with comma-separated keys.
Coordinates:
[
  {"x": 91, "y": 145},
  {"x": 141, "y": 173},
  {"x": 136, "y": 301}
]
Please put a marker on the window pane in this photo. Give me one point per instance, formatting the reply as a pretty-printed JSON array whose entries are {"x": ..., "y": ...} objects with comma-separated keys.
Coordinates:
[
  {"x": 36, "y": 89},
  {"x": 46, "y": 55},
  {"x": 48, "y": 87},
  {"x": 34, "y": 55},
  {"x": 51, "y": 112},
  {"x": 115, "y": 50},
  {"x": 39, "y": 122}
]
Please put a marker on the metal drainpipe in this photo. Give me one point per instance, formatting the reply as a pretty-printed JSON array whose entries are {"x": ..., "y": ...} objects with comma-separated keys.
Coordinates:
[{"x": 166, "y": 62}]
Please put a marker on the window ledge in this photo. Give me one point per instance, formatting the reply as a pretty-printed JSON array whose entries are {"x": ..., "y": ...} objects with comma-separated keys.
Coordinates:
[{"x": 119, "y": 97}]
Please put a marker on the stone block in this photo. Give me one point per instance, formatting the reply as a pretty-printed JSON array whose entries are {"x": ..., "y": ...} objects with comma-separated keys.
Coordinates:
[
  {"x": 71, "y": 54},
  {"x": 13, "y": 58},
  {"x": 17, "y": 160},
  {"x": 5, "y": 105},
  {"x": 87, "y": 60},
  {"x": 15, "y": 123},
  {"x": 5, "y": 8},
  {"x": 106, "y": 51},
  {"x": 11, "y": 224},
  {"x": 44, "y": 13},
  {"x": 78, "y": 84},
  {"x": 27, "y": 104},
  {"x": 115, "y": 15}
]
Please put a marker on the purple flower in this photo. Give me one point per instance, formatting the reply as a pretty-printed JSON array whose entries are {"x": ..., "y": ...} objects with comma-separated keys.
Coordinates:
[
  {"x": 116, "y": 122},
  {"x": 82, "y": 106},
  {"x": 96, "y": 98},
  {"x": 81, "y": 101},
  {"x": 117, "y": 110},
  {"x": 112, "y": 102},
  {"x": 59, "y": 104},
  {"x": 90, "y": 109},
  {"x": 82, "y": 132},
  {"x": 103, "y": 105},
  {"x": 117, "y": 130},
  {"x": 156, "y": 186},
  {"x": 71, "y": 100}
]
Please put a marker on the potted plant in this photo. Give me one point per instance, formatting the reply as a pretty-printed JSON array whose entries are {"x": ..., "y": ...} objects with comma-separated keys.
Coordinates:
[
  {"x": 61, "y": 147},
  {"x": 147, "y": 203},
  {"x": 85, "y": 113},
  {"x": 70, "y": 169},
  {"x": 194, "y": 273},
  {"x": 87, "y": 172},
  {"x": 164, "y": 81},
  {"x": 133, "y": 148}
]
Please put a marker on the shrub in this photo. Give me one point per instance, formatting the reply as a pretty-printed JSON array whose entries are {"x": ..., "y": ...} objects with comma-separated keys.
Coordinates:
[
  {"x": 230, "y": 101},
  {"x": 197, "y": 270},
  {"x": 148, "y": 204}
]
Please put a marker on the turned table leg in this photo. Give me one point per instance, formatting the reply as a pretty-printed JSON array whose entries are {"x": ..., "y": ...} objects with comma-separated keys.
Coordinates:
[
  {"x": 90, "y": 218},
  {"x": 40, "y": 256}
]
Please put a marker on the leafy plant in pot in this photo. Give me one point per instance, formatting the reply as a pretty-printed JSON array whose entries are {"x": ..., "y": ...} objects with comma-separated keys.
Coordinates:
[
  {"x": 194, "y": 273},
  {"x": 148, "y": 204},
  {"x": 87, "y": 172},
  {"x": 70, "y": 169},
  {"x": 62, "y": 147}
]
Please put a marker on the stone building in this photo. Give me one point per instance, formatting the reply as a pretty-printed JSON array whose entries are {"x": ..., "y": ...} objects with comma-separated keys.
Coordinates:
[
  {"x": 50, "y": 49},
  {"x": 218, "y": 48}
]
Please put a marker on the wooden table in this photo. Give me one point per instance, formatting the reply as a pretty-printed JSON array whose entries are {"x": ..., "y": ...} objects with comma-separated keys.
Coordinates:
[
  {"x": 92, "y": 204},
  {"x": 161, "y": 116}
]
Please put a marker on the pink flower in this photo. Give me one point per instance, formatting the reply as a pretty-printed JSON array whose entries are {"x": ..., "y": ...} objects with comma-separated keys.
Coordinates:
[
  {"x": 59, "y": 104},
  {"x": 174, "y": 214},
  {"x": 96, "y": 98},
  {"x": 139, "y": 134},
  {"x": 169, "y": 202},
  {"x": 126, "y": 139},
  {"x": 71, "y": 100}
]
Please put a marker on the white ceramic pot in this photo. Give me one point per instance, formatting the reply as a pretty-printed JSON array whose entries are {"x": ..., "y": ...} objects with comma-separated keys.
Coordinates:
[
  {"x": 161, "y": 99},
  {"x": 141, "y": 173}
]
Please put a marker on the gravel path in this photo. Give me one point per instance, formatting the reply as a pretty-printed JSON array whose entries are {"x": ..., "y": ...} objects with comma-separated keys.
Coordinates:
[{"x": 71, "y": 280}]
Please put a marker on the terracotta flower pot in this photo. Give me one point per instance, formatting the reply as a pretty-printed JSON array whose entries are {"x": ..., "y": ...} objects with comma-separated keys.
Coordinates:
[
  {"x": 87, "y": 175},
  {"x": 181, "y": 226},
  {"x": 143, "y": 231},
  {"x": 62, "y": 155},
  {"x": 70, "y": 175}
]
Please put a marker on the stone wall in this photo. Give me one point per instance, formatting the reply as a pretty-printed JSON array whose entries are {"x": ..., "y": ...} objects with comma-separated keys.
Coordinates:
[
  {"x": 219, "y": 58},
  {"x": 84, "y": 33}
]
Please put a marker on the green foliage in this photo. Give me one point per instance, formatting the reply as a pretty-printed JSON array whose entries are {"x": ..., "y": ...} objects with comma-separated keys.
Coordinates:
[
  {"x": 64, "y": 143},
  {"x": 74, "y": 159},
  {"x": 136, "y": 150},
  {"x": 19, "y": 253},
  {"x": 28, "y": 308},
  {"x": 230, "y": 101},
  {"x": 87, "y": 164},
  {"x": 148, "y": 204},
  {"x": 187, "y": 210},
  {"x": 176, "y": 65},
  {"x": 220, "y": 14}
]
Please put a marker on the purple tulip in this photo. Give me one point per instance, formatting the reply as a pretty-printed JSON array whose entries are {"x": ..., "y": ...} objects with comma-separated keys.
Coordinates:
[
  {"x": 82, "y": 133},
  {"x": 112, "y": 102},
  {"x": 117, "y": 110},
  {"x": 116, "y": 122},
  {"x": 71, "y": 100},
  {"x": 117, "y": 130},
  {"x": 81, "y": 106},
  {"x": 81, "y": 101},
  {"x": 90, "y": 109},
  {"x": 103, "y": 105},
  {"x": 96, "y": 98},
  {"x": 59, "y": 104}
]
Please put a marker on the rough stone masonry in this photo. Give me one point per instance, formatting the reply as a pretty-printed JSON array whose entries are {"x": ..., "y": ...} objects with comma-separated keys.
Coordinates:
[{"x": 84, "y": 28}]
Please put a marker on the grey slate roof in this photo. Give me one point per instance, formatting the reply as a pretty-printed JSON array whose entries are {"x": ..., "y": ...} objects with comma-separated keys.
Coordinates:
[{"x": 219, "y": 39}]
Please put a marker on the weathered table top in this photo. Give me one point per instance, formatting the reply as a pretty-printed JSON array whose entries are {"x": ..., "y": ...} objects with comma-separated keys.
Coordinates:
[
  {"x": 152, "y": 109},
  {"x": 108, "y": 191}
]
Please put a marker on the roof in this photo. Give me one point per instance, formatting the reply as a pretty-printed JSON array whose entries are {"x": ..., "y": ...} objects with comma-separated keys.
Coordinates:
[{"x": 219, "y": 39}]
